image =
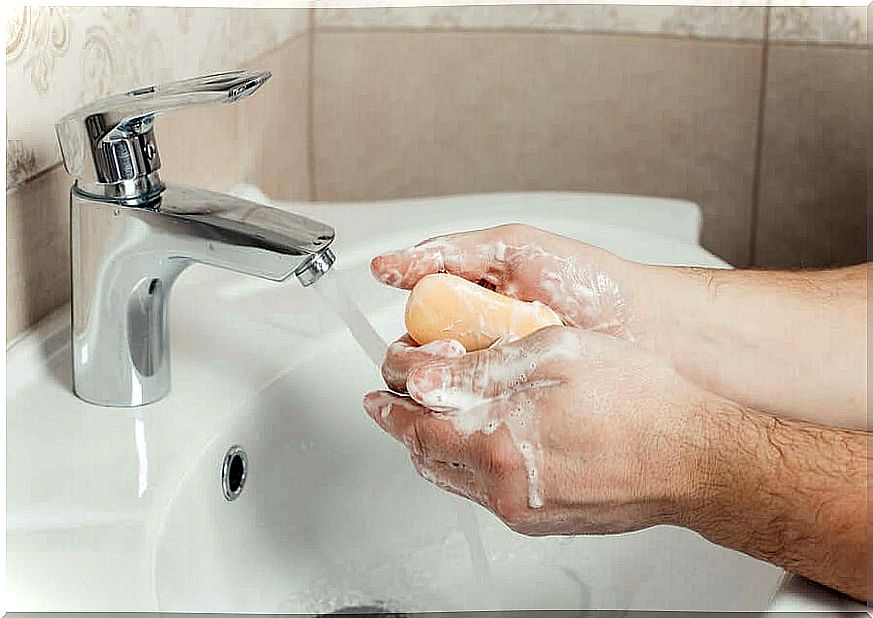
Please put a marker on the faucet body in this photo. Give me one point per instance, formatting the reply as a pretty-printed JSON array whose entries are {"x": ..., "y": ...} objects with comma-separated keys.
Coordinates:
[
  {"x": 125, "y": 260},
  {"x": 132, "y": 235}
]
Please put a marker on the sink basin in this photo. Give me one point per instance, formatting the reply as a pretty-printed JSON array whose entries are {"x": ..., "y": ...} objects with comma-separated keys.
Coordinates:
[{"x": 124, "y": 510}]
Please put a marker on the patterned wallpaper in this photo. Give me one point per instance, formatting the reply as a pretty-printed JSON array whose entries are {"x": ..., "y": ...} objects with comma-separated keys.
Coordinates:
[
  {"x": 737, "y": 22},
  {"x": 745, "y": 21},
  {"x": 831, "y": 24},
  {"x": 58, "y": 58}
]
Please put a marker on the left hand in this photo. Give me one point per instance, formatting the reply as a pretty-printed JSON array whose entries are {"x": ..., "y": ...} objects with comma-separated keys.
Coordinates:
[{"x": 565, "y": 431}]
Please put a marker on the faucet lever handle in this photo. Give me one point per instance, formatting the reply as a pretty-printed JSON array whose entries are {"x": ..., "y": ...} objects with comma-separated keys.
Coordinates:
[{"x": 109, "y": 145}]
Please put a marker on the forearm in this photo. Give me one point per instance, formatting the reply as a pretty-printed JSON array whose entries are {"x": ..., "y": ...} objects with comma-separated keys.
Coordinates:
[
  {"x": 788, "y": 492},
  {"x": 789, "y": 343}
]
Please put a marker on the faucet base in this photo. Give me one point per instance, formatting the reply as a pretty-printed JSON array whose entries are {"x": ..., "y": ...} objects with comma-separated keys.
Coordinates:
[{"x": 125, "y": 260}]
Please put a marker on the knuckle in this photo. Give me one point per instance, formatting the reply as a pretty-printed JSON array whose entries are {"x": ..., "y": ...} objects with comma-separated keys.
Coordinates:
[{"x": 477, "y": 376}]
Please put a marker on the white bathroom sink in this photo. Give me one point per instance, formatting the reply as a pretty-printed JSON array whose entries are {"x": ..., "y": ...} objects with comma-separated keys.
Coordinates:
[{"x": 122, "y": 509}]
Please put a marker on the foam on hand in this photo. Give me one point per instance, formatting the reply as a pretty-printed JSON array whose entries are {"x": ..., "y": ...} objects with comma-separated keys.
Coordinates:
[{"x": 444, "y": 306}]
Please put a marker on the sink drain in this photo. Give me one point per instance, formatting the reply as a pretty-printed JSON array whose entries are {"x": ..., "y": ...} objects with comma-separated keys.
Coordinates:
[{"x": 234, "y": 470}]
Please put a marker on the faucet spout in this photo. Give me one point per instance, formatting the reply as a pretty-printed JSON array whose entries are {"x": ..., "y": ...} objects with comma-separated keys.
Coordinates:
[
  {"x": 236, "y": 234},
  {"x": 125, "y": 259}
]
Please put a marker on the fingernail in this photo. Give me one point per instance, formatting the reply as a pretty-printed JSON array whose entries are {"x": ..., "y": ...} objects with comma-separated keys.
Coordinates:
[
  {"x": 392, "y": 278},
  {"x": 376, "y": 265},
  {"x": 428, "y": 378},
  {"x": 451, "y": 348},
  {"x": 456, "y": 348}
]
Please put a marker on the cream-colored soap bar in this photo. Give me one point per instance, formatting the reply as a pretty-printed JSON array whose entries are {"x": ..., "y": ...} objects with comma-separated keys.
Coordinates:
[{"x": 443, "y": 306}]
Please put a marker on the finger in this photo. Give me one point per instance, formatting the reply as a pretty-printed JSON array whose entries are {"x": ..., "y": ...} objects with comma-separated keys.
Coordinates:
[
  {"x": 405, "y": 354},
  {"x": 424, "y": 433},
  {"x": 455, "y": 384},
  {"x": 477, "y": 256}
]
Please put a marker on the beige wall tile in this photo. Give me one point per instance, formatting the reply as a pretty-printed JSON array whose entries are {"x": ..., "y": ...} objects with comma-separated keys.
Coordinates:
[
  {"x": 262, "y": 139},
  {"x": 199, "y": 146},
  {"x": 402, "y": 114},
  {"x": 819, "y": 24},
  {"x": 273, "y": 125},
  {"x": 734, "y": 22},
  {"x": 37, "y": 249},
  {"x": 814, "y": 164}
]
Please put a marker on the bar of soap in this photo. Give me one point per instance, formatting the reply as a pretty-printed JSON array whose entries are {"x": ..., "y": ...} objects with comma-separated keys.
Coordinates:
[{"x": 443, "y": 306}]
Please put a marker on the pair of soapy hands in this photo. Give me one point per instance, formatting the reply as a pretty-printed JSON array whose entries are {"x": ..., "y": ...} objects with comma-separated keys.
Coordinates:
[{"x": 572, "y": 429}]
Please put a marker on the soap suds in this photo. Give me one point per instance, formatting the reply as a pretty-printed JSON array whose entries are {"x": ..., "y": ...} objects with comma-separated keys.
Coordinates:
[
  {"x": 513, "y": 402},
  {"x": 581, "y": 294}
]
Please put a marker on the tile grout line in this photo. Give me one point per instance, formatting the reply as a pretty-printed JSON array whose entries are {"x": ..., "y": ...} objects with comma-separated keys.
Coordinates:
[
  {"x": 376, "y": 29},
  {"x": 310, "y": 107},
  {"x": 44, "y": 171},
  {"x": 759, "y": 143},
  {"x": 838, "y": 45}
]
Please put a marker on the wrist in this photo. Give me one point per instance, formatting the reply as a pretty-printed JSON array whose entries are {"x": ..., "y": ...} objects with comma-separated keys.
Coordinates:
[
  {"x": 652, "y": 312},
  {"x": 717, "y": 465},
  {"x": 638, "y": 290},
  {"x": 672, "y": 314}
]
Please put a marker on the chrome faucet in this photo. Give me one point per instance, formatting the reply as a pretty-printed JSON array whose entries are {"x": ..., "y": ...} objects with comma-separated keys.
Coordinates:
[{"x": 131, "y": 235}]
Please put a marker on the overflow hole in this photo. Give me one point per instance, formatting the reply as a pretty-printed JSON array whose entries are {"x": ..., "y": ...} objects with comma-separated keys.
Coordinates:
[{"x": 234, "y": 470}]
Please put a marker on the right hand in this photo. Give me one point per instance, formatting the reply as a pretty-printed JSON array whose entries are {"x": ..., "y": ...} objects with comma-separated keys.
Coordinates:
[
  {"x": 564, "y": 431},
  {"x": 583, "y": 284}
]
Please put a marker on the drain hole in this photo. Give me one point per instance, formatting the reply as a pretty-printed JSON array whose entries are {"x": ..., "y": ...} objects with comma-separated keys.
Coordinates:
[
  {"x": 235, "y": 478},
  {"x": 234, "y": 470}
]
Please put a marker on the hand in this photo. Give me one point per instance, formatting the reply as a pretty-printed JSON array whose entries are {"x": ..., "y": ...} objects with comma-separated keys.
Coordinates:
[
  {"x": 562, "y": 432},
  {"x": 583, "y": 284}
]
